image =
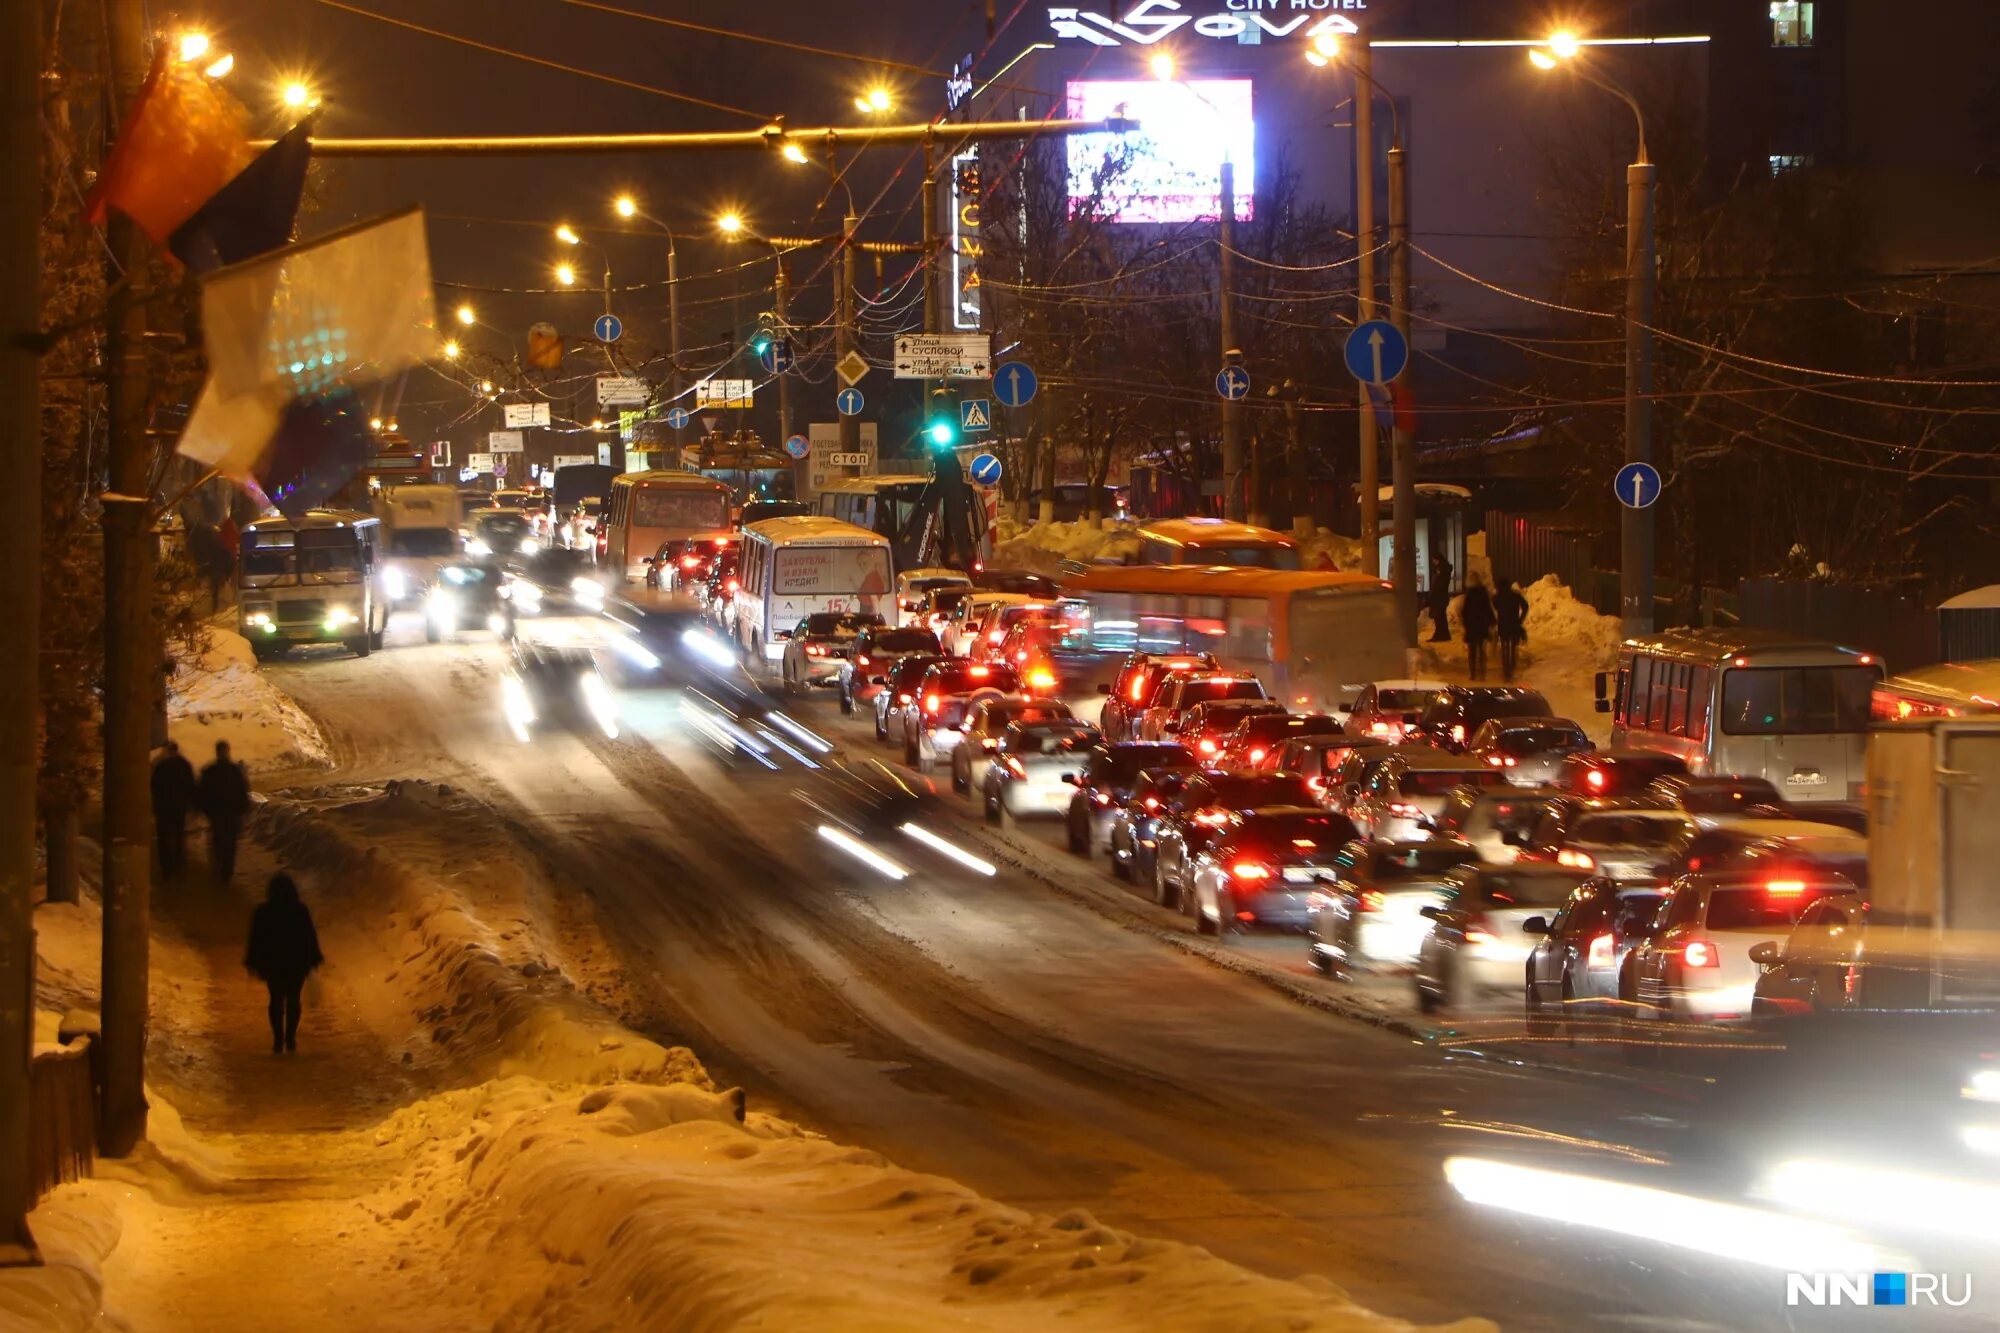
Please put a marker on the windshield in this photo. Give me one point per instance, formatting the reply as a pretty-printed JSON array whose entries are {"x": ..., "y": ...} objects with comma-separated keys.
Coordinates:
[
  {"x": 1050, "y": 738},
  {"x": 1626, "y": 831},
  {"x": 1760, "y": 908},
  {"x": 466, "y": 576},
  {"x": 1521, "y": 888},
  {"x": 947, "y": 601},
  {"x": 700, "y": 510},
  {"x": 1002, "y": 714},
  {"x": 1482, "y": 708},
  {"x": 1256, "y": 556},
  {"x": 1301, "y": 835},
  {"x": 1532, "y": 740},
  {"x": 1126, "y": 761},
  {"x": 759, "y": 510},
  {"x": 423, "y": 542},
  {"x": 1247, "y": 793},
  {"x": 965, "y": 676},
  {"x": 1208, "y": 691},
  {"x": 1401, "y": 701},
  {"x": 328, "y": 552},
  {"x": 510, "y": 523},
  {"x": 267, "y": 553},
  {"x": 1442, "y": 781},
  {"x": 1796, "y": 701}
]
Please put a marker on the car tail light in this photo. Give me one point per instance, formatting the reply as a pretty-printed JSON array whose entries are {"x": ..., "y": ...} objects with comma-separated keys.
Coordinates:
[
  {"x": 1249, "y": 872},
  {"x": 1404, "y": 810},
  {"x": 1151, "y": 803},
  {"x": 996, "y": 636},
  {"x": 732, "y": 585},
  {"x": 978, "y": 672},
  {"x": 902, "y": 698},
  {"x": 861, "y": 660},
  {"x": 1380, "y": 728},
  {"x": 1372, "y": 900},
  {"x": 1100, "y": 798},
  {"x": 1138, "y": 691},
  {"x": 1700, "y": 953},
  {"x": 1016, "y": 767},
  {"x": 1457, "y": 734},
  {"x": 1576, "y": 860},
  {"x": 1601, "y": 952},
  {"x": 690, "y": 562},
  {"x": 1493, "y": 759},
  {"x": 989, "y": 744},
  {"x": 1207, "y": 746},
  {"x": 930, "y": 703},
  {"x": 1478, "y": 931},
  {"x": 1042, "y": 680},
  {"x": 1257, "y": 755},
  {"x": 1594, "y": 779},
  {"x": 1785, "y": 888},
  {"x": 814, "y": 650},
  {"x": 1212, "y": 818},
  {"x": 1317, "y": 786}
]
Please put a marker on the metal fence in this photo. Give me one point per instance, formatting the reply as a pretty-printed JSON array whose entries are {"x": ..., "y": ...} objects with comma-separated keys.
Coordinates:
[
  {"x": 62, "y": 1115},
  {"x": 1903, "y": 632}
]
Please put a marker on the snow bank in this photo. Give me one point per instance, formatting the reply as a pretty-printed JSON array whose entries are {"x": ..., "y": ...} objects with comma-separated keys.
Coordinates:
[
  {"x": 222, "y": 696},
  {"x": 1568, "y": 644}
]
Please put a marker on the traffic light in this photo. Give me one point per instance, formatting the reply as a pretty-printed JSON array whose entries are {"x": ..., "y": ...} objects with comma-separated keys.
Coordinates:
[
  {"x": 766, "y": 334},
  {"x": 941, "y": 422}
]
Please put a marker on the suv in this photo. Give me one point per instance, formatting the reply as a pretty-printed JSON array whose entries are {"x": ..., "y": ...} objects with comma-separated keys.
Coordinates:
[
  {"x": 1135, "y": 828},
  {"x": 1139, "y": 679},
  {"x": 1110, "y": 774},
  {"x": 1455, "y": 712},
  {"x": 923, "y": 737},
  {"x": 876, "y": 651},
  {"x": 1259, "y": 734},
  {"x": 1162, "y": 718},
  {"x": 900, "y": 688},
  {"x": 1529, "y": 750},
  {"x": 817, "y": 651},
  {"x": 1615, "y": 839},
  {"x": 1403, "y": 796},
  {"x": 1209, "y": 803},
  {"x": 992, "y": 631}
]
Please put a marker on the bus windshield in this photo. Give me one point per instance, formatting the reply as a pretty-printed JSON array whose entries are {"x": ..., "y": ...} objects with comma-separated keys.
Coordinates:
[
  {"x": 1796, "y": 701},
  {"x": 334, "y": 552},
  {"x": 679, "y": 507},
  {"x": 1257, "y": 556}
]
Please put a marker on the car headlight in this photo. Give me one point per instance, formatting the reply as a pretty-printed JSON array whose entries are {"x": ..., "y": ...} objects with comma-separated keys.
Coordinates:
[
  {"x": 530, "y": 547},
  {"x": 444, "y": 606},
  {"x": 259, "y": 619},
  {"x": 340, "y": 617},
  {"x": 394, "y": 583}
]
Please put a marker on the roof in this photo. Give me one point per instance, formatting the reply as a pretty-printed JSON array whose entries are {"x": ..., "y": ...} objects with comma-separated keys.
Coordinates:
[
  {"x": 957, "y": 575},
  {"x": 314, "y": 518},
  {"x": 1219, "y": 581},
  {"x": 1718, "y": 644},
  {"x": 813, "y": 529},
  {"x": 1424, "y": 759},
  {"x": 1212, "y": 531},
  {"x": 668, "y": 476},
  {"x": 1976, "y": 599},
  {"x": 1791, "y": 830},
  {"x": 1968, "y": 682}
]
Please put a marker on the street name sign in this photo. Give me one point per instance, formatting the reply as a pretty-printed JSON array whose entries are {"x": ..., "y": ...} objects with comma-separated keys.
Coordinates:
[{"x": 944, "y": 356}]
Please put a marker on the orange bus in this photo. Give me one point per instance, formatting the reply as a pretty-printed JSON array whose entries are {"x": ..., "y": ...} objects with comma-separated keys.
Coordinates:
[
  {"x": 1214, "y": 541},
  {"x": 648, "y": 509}
]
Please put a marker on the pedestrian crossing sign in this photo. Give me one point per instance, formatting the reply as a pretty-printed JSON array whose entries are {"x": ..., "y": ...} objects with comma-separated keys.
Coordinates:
[{"x": 975, "y": 414}]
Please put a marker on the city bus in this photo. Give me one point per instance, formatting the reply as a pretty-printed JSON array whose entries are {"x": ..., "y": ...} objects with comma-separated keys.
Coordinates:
[
  {"x": 1214, "y": 541},
  {"x": 650, "y": 508},
  {"x": 1949, "y": 689},
  {"x": 890, "y": 506},
  {"x": 311, "y": 579},
  {"x": 1749, "y": 703},
  {"x": 794, "y": 567},
  {"x": 1314, "y": 638},
  {"x": 747, "y": 468}
]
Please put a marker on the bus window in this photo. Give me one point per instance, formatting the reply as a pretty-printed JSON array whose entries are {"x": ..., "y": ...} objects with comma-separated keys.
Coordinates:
[
  {"x": 1640, "y": 693},
  {"x": 1249, "y": 628},
  {"x": 1656, "y": 710},
  {"x": 665, "y": 507},
  {"x": 1785, "y": 701},
  {"x": 1701, "y": 686},
  {"x": 1677, "y": 701}
]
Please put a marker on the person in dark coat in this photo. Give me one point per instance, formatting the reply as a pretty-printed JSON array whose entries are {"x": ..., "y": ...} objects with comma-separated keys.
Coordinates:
[
  {"x": 1475, "y": 615},
  {"x": 1440, "y": 598},
  {"x": 1510, "y": 617},
  {"x": 173, "y": 800},
  {"x": 224, "y": 795},
  {"x": 283, "y": 951}
]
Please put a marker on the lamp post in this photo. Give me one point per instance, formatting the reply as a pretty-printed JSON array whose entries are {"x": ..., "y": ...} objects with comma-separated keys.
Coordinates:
[
  {"x": 1635, "y": 532},
  {"x": 625, "y": 206},
  {"x": 567, "y": 235}
]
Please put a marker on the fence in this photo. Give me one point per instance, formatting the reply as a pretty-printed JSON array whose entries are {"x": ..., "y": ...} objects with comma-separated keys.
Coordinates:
[
  {"x": 1901, "y": 631},
  {"x": 62, "y": 1115}
]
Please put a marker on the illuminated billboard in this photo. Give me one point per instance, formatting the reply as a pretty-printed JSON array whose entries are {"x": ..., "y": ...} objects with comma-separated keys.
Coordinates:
[{"x": 1187, "y": 127}]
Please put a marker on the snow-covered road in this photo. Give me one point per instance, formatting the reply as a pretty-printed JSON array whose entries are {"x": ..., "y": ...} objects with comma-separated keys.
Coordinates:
[{"x": 1049, "y": 1052}]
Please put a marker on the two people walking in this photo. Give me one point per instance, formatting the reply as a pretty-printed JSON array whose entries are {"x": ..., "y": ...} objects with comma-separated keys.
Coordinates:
[
  {"x": 221, "y": 794},
  {"x": 1483, "y": 614}
]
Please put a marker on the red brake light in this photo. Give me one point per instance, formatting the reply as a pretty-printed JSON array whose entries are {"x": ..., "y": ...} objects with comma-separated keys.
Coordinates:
[
  {"x": 1212, "y": 818},
  {"x": 978, "y": 672},
  {"x": 1138, "y": 690},
  {"x": 902, "y": 698},
  {"x": 1404, "y": 810},
  {"x": 861, "y": 660},
  {"x": 1700, "y": 953},
  {"x": 1594, "y": 779},
  {"x": 1372, "y": 900},
  {"x": 1601, "y": 954},
  {"x": 690, "y": 561},
  {"x": 1151, "y": 802},
  {"x": 1476, "y": 933},
  {"x": 1016, "y": 767},
  {"x": 1493, "y": 759},
  {"x": 814, "y": 650},
  {"x": 1317, "y": 786},
  {"x": 732, "y": 585},
  {"x": 930, "y": 703},
  {"x": 1257, "y": 755},
  {"x": 995, "y": 636},
  {"x": 1041, "y": 680},
  {"x": 1249, "y": 870},
  {"x": 1378, "y": 728},
  {"x": 1785, "y": 888},
  {"x": 1207, "y": 746}
]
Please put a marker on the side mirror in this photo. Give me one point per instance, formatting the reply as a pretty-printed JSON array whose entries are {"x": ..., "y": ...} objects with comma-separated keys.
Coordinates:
[
  {"x": 1767, "y": 954},
  {"x": 1603, "y": 705},
  {"x": 1601, "y": 682},
  {"x": 1171, "y": 728},
  {"x": 1347, "y": 708},
  {"x": 1104, "y": 688},
  {"x": 1535, "y": 925},
  {"x": 1069, "y": 779}
]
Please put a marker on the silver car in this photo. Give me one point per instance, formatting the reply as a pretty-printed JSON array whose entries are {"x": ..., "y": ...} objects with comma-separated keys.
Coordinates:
[
  {"x": 1373, "y": 915},
  {"x": 1267, "y": 869},
  {"x": 1026, "y": 777},
  {"x": 1477, "y": 942},
  {"x": 1494, "y": 822},
  {"x": 1527, "y": 751},
  {"x": 1407, "y": 793}
]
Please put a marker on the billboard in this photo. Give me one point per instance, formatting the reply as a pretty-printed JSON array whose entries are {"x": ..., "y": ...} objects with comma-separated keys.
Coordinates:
[{"x": 1187, "y": 127}]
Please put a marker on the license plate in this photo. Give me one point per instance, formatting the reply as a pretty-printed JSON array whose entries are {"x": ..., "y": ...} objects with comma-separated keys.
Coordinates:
[{"x": 1807, "y": 777}]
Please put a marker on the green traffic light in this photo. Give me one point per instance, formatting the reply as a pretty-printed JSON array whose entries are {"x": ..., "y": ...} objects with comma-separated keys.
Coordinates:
[
  {"x": 762, "y": 344},
  {"x": 943, "y": 433}
]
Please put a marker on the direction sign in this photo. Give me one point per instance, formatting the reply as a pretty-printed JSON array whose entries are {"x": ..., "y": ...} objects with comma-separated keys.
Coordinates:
[
  {"x": 776, "y": 357},
  {"x": 1015, "y": 384},
  {"x": 622, "y": 391},
  {"x": 608, "y": 328},
  {"x": 677, "y": 418},
  {"x": 527, "y": 414},
  {"x": 986, "y": 470},
  {"x": 798, "y": 446},
  {"x": 944, "y": 356},
  {"x": 561, "y": 461},
  {"x": 1637, "y": 485},
  {"x": 852, "y": 368},
  {"x": 850, "y": 402},
  {"x": 975, "y": 414},
  {"x": 1233, "y": 383},
  {"x": 1376, "y": 352},
  {"x": 726, "y": 393},
  {"x": 505, "y": 442},
  {"x": 479, "y": 462}
]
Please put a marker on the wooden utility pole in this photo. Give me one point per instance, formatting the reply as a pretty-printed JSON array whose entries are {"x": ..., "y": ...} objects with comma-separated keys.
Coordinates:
[
  {"x": 1232, "y": 410},
  {"x": 20, "y": 598}
]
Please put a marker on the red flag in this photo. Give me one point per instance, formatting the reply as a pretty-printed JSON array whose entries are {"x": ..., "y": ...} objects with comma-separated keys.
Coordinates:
[
  {"x": 183, "y": 140},
  {"x": 1404, "y": 404}
]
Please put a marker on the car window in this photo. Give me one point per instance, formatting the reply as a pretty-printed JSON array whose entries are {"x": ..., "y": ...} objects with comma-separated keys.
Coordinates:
[
  {"x": 1683, "y": 909},
  {"x": 1759, "y": 907},
  {"x": 1416, "y": 861},
  {"x": 1520, "y": 888},
  {"x": 1457, "y": 811},
  {"x": 1636, "y": 911},
  {"x": 1438, "y": 781}
]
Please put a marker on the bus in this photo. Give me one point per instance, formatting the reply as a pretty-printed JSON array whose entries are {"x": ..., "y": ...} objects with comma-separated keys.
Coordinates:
[
  {"x": 1314, "y": 638},
  {"x": 1947, "y": 690},
  {"x": 747, "y": 468},
  {"x": 794, "y": 567},
  {"x": 887, "y": 506},
  {"x": 311, "y": 579},
  {"x": 1748, "y": 703},
  {"x": 1215, "y": 541},
  {"x": 651, "y": 508}
]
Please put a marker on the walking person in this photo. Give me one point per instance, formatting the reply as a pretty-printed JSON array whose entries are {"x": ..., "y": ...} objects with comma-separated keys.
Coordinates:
[
  {"x": 173, "y": 800},
  {"x": 1510, "y": 616},
  {"x": 1475, "y": 617},
  {"x": 1440, "y": 598},
  {"x": 283, "y": 951},
  {"x": 224, "y": 796}
]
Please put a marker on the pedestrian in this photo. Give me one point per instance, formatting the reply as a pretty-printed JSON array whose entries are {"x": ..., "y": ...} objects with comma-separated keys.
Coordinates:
[
  {"x": 1440, "y": 591},
  {"x": 224, "y": 796},
  {"x": 173, "y": 799},
  {"x": 1475, "y": 617},
  {"x": 1510, "y": 616},
  {"x": 283, "y": 951}
]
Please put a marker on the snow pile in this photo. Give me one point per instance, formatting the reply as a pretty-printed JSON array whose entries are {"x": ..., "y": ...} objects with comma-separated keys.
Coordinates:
[
  {"x": 1043, "y": 547},
  {"x": 1327, "y": 545},
  {"x": 222, "y": 696},
  {"x": 1568, "y": 644}
]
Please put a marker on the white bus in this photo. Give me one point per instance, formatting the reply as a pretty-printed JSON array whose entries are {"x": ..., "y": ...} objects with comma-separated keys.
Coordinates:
[
  {"x": 311, "y": 579},
  {"x": 1752, "y": 703},
  {"x": 650, "y": 509},
  {"x": 794, "y": 567}
]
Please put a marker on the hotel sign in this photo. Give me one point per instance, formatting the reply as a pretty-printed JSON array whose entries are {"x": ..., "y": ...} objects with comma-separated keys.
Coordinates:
[{"x": 1246, "y": 21}]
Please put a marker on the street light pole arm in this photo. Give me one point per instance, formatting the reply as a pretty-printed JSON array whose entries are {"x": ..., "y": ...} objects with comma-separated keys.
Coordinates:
[
  {"x": 1638, "y": 115},
  {"x": 1395, "y": 112}
]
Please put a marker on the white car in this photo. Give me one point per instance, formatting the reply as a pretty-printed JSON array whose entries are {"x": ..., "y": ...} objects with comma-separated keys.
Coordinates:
[
  {"x": 978, "y": 743},
  {"x": 1404, "y": 797},
  {"x": 1267, "y": 869},
  {"x": 1477, "y": 944},
  {"x": 1025, "y": 778},
  {"x": 971, "y": 615},
  {"x": 1373, "y": 915},
  {"x": 1494, "y": 821},
  {"x": 1697, "y": 963},
  {"x": 913, "y": 589},
  {"x": 1385, "y": 709}
]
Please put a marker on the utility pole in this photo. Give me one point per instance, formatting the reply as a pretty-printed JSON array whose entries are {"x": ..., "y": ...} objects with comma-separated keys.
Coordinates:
[
  {"x": 784, "y": 336},
  {"x": 1232, "y": 410},
  {"x": 846, "y": 333},
  {"x": 1635, "y": 576},
  {"x": 1403, "y": 447},
  {"x": 674, "y": 316},
  {"x": 931, "y": 278},
  {"x": 1364, "y": 244},
  {"x": 20, "y": 600}
]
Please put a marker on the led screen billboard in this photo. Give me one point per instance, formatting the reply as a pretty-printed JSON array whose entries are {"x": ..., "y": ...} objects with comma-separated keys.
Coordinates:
[{"x": 1186, "y": 129}]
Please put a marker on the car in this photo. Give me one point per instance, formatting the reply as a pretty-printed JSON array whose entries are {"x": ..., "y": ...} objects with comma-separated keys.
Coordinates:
[
  {"x": 1315, "y": 758},
  {"x": 1356, "y": 767},
  {"x": 1527, "y": 750},
  {"x": 1583, "y": 951},
  {"x": 969, "y": 618},
  {"x": 1616, "y": 839},
  {"x": 1110, "y": 774},
  {"x": 938, "y": 608},
  {"x": 683, "y": 566},
  {"x": 1259, "y": 733},
  {"x": 819, "y": 646},
  {"x": 1404, "y": 796},
  {"x": 899, "y": 689},
  {"x": 998, "y": 621},
  {"x": 1372, "y": 913},
  {"x": 914, "y": 586},
  {"x": 875, "y": 653},
  {"x": 554, "y": 581},
  {"x": 1032, "y": 770},
  {"x": 1386, "y": 709},
  {"x": 1778, "y": 847},
  {"x": 1265, "y": 869},
  {"x": 978, "y": 743},
  {"x": 1139, "y": 678},
  {"x": 1477, "y": 944},
  {"x": 1030, "y": 648},
  {"x": 1453, "y": 714},
  {"x": 1183, "y": 690},
  {"x": 500, "y": 533},
  {"x": 1135, "y": 826},
  {"x": 925, "y": 735},
  {"x": 1712, "y": 797},
  {"x": 466, "y": 593},
  {"x": 1616, "y": 772},
  {"x": 717, "y": 592},
  {"x": 549, "y": 685},
  {"x": 1208, "y": 802},
  {"x": 1205, "y": 727},
  {"x": 1494, "y": 821},
  {"x": 1816, "y": 969},
  {"x": 1696, "y": 964}
]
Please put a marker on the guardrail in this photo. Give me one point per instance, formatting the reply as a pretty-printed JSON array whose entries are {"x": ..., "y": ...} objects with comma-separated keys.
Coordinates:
[{"x": 62, "y": 1115}]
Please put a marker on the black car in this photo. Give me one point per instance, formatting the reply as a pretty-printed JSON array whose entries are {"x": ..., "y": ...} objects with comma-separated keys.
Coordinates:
[
  {"x": 900, "y": 687},
  {"x": 1616, "y": 772},
  {"x": 1139, "y": 677},
  {"x": 1209, "y": 803},
  {"x": 546, "y": 685},
  {"x": 876, "y": 653},
  {"x": 1135, "y": 824},
  {"x": 554, "y": 581},
  {"x": 465, "y": 595},
  {"x": 1583, "y": 949},
  {"x": 1455, "y": 712},
  {"x": 1110, "y": 775}
]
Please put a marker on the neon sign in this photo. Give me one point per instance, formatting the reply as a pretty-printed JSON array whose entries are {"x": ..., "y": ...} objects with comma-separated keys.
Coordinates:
[
  {"x": 967, "y": 246},
  {"x": 1246, "y": 21}
]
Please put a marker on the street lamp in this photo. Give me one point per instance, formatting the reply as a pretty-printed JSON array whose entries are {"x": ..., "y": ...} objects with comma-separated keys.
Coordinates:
[
  {"x": 566, "y": 275},
  {"x": 193, "y": 46},
  {"x": 297, "y": 95},
  {"x": 467, "y": 316},
  {"x": 729, "y": 224},
  {"x": 1635, "y": 529},
  {"x": 627, "y": 207},
  {"x": 567, "y": 235},
  {"x": 875, "y": 101},
  {"x": 451, "y": 349}
]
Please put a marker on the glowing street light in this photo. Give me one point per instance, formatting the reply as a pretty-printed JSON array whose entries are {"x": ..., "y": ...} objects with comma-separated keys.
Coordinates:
[
  {"x": 876, "y": 100},
  {"x": 451, "y": 349},
  {"x": 1325, "y": 49},
  {"x": 567, "y": 235},
  {"x": 1162, "y": 64},
  {"x": 194, "y": 45},
  {"x": 729, "y": 224},
  {"x": 486, "y": 386},
  {"x": 298, "y": 95},
  {"x": 467, "y": 316},
  {"x": 566, "y": 275},
  {"x": 625, "y": 206},
  {"x": 375, "y": 423},
  {"x": 221, "y": 67},
  {"x": 793, "y": 153},
  {"x": 1565, "y": 45}
]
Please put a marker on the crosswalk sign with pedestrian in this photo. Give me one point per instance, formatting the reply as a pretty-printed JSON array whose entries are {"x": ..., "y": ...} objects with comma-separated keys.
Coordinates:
[{"x": 975, "y": 414}]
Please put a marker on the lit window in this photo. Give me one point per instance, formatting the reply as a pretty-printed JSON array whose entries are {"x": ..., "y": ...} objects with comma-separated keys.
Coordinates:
[
  {"x": 1784, "y": 162},
  {"x": 1791, "y": 22}
]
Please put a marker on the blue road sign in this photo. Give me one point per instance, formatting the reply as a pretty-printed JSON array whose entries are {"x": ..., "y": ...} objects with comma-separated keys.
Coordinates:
[
  {"x": 1015, "y": 384},
  {"x": 1233, "y": 383},
  {"x": 850, "y": 402},
  {"x": 1637, "y": 485},
  {"x": 975, "y": 414},
  {"x": 777, "y": 357},
  {"x": 798, "y": 446},
  {"x": 1377, "y": 352},
  {"x": 609, "y": 328},
  {"x": 677, "y": 418},
  {"x": 986, "y": 470}
]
